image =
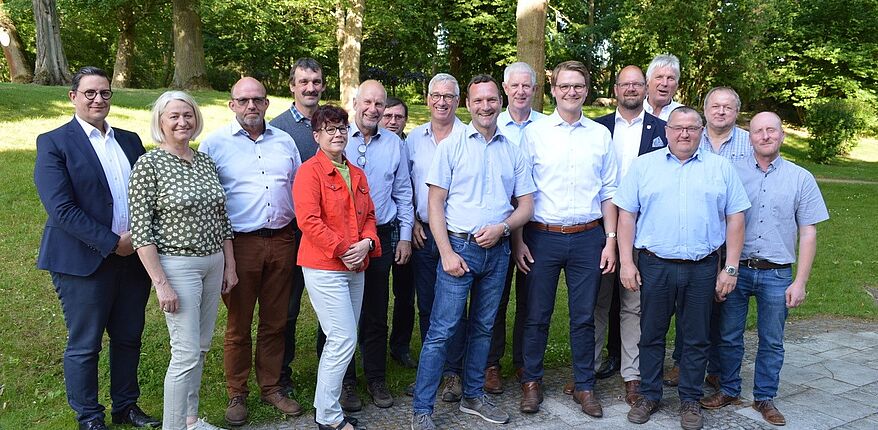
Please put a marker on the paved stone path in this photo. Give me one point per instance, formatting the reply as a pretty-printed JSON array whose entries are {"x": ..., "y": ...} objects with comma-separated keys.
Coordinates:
[{"x": 829, "y": 380}]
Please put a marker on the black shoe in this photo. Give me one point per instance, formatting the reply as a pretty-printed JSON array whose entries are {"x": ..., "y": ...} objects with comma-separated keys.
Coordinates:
[
  {"x": 95, "y": 424},
  {"x": 349, "y": 400},
  {"x": 136, "y": 417},
  {"x": 347, "y": 420},
  {"x": 609, "y": 367},
  {"x": 380, "y": 394},
  {"x": 404, "y": 359}
]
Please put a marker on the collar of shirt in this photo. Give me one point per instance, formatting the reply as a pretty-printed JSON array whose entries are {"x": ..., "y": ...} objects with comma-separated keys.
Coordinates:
[
  {"x": 638, "y": 118},
  {"x": 505, "y": 118},
  {"x": 696, "y": 156},
  {"x": 458, "y": 125},
  {"x": 774, "y": 165},
  {"x": 235, "y": 129},
  {"x": 472, "y": 132},
  {"x": 355, "y": 132},
  {"x": 90, "y": 129},
  {"x": 555, "y": 119},
  {"x": 298, "y": 115}
]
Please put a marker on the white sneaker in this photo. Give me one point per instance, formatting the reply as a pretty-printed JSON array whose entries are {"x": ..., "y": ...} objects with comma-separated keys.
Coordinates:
[{"x": 203, "y": 425}]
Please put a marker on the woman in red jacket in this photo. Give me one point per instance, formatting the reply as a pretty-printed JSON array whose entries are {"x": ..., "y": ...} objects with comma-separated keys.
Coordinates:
[{"x": 337, "y": 219}]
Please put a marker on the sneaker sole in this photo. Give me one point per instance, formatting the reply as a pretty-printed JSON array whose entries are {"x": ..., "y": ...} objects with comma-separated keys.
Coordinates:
[{"x": 466, "y": 410}]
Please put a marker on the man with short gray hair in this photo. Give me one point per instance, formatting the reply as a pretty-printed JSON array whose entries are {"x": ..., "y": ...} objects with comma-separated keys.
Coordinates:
[{"x": 662, "y": 81}]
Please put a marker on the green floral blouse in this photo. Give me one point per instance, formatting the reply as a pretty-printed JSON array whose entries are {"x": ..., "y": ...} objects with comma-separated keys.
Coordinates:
[{"x": 178, "y": 206}]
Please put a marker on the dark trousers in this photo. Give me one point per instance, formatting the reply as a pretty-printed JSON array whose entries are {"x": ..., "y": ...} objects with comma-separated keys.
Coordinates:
[
  {"x": 686, "y": 289},
  {"x": 113, "y": 299},
  {"x": 498, "y": 337},
  {"x": 614, "y": 336},
  {"x": 373, "y": 316},
  {"x": 579, "y": 255},
  {"x": 286, "y": 370},
  {"x": 403, "y": 308}
]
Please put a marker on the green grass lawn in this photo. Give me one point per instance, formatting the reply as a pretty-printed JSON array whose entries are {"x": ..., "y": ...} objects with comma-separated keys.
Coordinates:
[{"x": 32, "y": 332}]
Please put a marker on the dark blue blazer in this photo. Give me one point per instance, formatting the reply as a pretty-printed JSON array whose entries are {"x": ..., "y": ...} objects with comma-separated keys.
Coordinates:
[
  {"x": 74, "y": 190},
  {"x": 653, "y": 128}
]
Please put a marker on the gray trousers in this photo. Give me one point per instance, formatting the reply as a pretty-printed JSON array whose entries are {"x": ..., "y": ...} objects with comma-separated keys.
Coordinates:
[{"x": 629, "y": 327}]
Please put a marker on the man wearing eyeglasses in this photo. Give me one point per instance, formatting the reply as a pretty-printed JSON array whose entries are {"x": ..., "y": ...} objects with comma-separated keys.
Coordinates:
[
  {"x": 677, "y": 207},
  {"x": 306, "y": 85},
  {"x": 443, "y": 97},
  {"x": 662, "y": 80},
  {"x": 573, "y": 228},
  {"x": 396, "y": 115},
  {"x": 634, "y": 133},
  {"x": 256, "y": 163},
  {"x": 381, "y": 154},
  {"x": 81, "y": 174}
]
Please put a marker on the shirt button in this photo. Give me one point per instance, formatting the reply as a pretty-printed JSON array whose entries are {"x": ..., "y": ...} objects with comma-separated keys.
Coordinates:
[{"x": 266, "y": 187}]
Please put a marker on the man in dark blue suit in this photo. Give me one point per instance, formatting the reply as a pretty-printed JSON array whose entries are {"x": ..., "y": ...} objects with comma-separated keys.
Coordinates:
[
  {"x": 635, "y": 133},
  {"x": 81, "y": 174}
]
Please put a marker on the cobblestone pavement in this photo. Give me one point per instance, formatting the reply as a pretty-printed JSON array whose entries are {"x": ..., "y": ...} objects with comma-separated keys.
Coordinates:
[{"x": 829, "y": 380}]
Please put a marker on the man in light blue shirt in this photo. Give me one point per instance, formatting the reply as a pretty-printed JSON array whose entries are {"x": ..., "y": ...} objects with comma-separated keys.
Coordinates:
[
  {"x": 472, "y": 183},
  {"x": 256, "y": 164},
  {"x": 678, "y": 205}
]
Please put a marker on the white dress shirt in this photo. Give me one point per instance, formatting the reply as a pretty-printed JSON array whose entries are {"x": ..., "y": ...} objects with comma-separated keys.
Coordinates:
[
  {"x": 626, "y": 141},
  {"x": 665, "y": 111},
  {"x": 116, "y": 167}
]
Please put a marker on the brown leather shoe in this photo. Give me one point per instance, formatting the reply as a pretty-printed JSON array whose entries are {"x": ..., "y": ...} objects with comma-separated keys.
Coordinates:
[
  {"x": 493, "y": 383},
  {"x": 519, "y": 373},
  {"x": 589, "y": 402},
  {"x": 691, "y": 417},
  {"x": 712, "y": 381},
  {"x": 569, "y": 388},
  {"x": 531, "y": 397},
  {"x": 672, "y": 377},
  {"x": 769, "y": 413},
  {"x": 718, "y": 400},
  {"x": 236, "y": 412},
  {"x": 632, "y": 392},
  {"x": 283, "y": 403},
  {"x": 642, "y": 410}
]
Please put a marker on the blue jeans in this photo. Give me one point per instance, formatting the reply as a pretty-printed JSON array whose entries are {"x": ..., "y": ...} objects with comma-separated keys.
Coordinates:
[
  {"x": 579, "y": 255},
  {"x": 769, "y": 287},
  {"x": 483, "y": 284},
  {"x": 424, "y": 263},
  {"x": 686, "y": 289}
]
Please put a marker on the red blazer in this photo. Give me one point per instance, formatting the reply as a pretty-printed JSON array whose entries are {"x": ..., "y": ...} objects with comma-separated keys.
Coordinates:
[{"x": 330, "y": 216}]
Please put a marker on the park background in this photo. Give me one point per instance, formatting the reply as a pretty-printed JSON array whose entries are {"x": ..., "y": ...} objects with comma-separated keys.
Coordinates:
[{"x": 815, "y": 61}]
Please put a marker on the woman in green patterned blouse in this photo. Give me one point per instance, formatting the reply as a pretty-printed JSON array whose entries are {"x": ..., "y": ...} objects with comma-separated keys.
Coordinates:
[{"x": 182, "y": 233}]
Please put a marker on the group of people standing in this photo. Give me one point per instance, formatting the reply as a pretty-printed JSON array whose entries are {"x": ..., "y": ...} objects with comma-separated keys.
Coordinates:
[{"x": 648, "y": 213}]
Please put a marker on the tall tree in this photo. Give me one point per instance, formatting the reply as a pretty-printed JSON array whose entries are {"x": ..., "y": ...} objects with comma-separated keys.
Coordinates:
[
  {"x": 124, "y": 65},
  {"x": 19, "y": 68},
  {"x": 51, "y": 65},
  {"x": 189, "y": 69},
  {"x": 530, "y": 20},
  {"x": 349, "y": 35}
]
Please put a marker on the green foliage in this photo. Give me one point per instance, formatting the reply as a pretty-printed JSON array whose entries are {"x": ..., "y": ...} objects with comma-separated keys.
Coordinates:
[{"x": 834, "y": 125}]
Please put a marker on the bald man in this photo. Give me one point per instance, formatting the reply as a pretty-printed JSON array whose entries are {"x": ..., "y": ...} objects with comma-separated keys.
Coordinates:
[{"x": 256, "y": 163}]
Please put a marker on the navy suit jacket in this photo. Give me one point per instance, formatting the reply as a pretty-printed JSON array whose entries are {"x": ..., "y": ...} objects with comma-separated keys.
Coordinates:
[
  {"x": 653, "y": 128},
  {"x": 74, "y": 190}
]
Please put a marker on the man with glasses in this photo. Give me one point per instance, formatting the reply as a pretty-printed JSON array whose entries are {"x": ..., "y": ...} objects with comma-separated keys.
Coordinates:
[
  {"x": 256, "y": 164},
  {"x": 443, "y": 97},
  {"x": 473, "y": 181},
  {"x": 396, "y": 115},
  {"x": 306, "y": 85},
  {"x": 381, "y": 154},
  {"x": 573, "y": 228},
  {"x": 519, "y": 84},
  {"x": 677, "y": 207},
  {"x": 81, "y": 174},
  {"x": 662, "y": 80},
  {"x": 634, "y": 133}
]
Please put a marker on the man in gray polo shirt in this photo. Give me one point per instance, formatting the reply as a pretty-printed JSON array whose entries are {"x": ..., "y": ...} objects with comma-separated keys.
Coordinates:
[{"x": 786, "y": 203}]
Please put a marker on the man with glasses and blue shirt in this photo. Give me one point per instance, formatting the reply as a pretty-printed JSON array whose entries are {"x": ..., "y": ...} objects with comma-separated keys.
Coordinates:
[
  {"x": 473, "y": 181},
  {"x": 443, "y": 97},
  {"x": 381, "y": 154},
  {"x": 256, "y": 164},
  {"x": 677, "y": 207}
]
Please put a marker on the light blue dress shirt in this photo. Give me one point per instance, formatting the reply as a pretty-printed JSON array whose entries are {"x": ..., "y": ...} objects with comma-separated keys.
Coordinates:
[
  {"x": 421, "y": 146},
  {"x": 257, "y": 176},
  {"x": 681, "y": 208},
  {"x": 784, "y": 198},
  {"x": 481, "y": 178},
  {"x": 387, "y": 171},
  {"x": 513, "y": 130},
  {"x": 736, "y": 148}
]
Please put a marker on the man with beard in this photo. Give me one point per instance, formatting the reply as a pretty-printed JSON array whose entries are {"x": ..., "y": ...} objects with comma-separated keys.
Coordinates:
[
  {"x": 573, "y": 228},
  {"x": 472, "y": 183},
  {"x": 662, "y": 81}
]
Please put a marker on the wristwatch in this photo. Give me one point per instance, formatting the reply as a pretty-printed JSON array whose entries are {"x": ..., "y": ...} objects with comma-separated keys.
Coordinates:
[
  {"x": 506, "y": 230},
  {"x": 371, "y": 244},
  {"x": 731, "y": 270},
  {"x": 611, "y": 235}
]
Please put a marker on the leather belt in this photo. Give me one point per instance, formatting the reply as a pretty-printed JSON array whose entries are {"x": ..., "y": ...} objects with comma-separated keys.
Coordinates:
[
  {"x": 564, "y": 229},
  {"x": 263, "y": 232},
  {"x": 758, "y": 263},
  {"x": 386, "y": 228},
  {"x": 675, "y": 260},
  {"x": 464, "y": 236}
]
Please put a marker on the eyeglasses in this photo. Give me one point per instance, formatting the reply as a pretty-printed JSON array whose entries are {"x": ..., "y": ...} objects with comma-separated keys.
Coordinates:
[
  {"x": 390, "y": 116},
  {"x": 361, "y": 160},
  {"x": 245, "y": 101},
  {"x": 333, "y": 129},
  {"x": 447, "y": 97},
  {"x": 91, "y": 94},
  {"x": 635, "y": 85},
  {"x": 567, "y": 87},
  {"x": 679, "y": 129}
]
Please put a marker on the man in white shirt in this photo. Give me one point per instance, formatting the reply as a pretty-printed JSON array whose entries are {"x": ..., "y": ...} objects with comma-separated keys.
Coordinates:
[{"x": 662, "y": 80}]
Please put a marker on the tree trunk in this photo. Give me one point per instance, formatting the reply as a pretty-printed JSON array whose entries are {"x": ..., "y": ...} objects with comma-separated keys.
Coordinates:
[
  {"x": 51, "y": 65},
  {"x": 530, "y": 18},
  {"x": 124, "y": 66},
  {"x": 19, "y": 69},
  {"x": 189, "y": 70},
  {"x": 349, "y": 35}
]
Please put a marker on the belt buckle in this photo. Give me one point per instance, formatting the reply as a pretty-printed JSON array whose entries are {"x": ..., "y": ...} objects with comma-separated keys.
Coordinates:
[{"x": 752, "y": 262}]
